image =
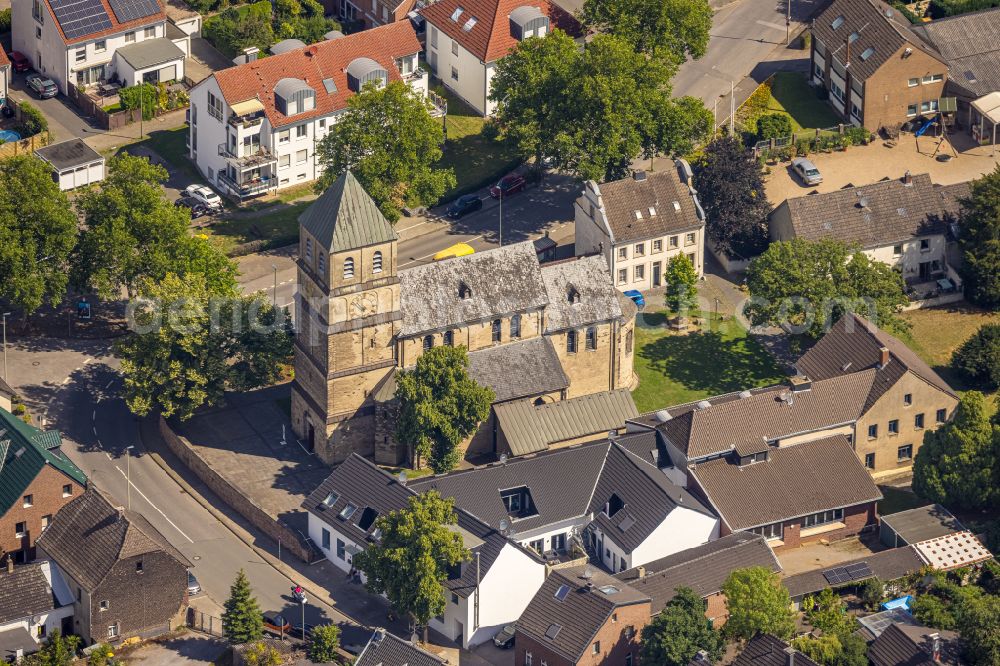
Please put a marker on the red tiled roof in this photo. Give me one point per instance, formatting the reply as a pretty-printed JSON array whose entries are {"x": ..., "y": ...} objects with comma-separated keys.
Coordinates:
[
  {"x": 490, "y": 39},
  {"x": 313, "y": 64},
  {"x": 3, "y": 59},
  {"x": 116, "y": 26}
]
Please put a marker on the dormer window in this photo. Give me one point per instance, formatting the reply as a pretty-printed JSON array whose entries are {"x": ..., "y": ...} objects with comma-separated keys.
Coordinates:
[
  {"x": 463, "y": 291},
  {"x": 294, "y": 96},
  {"x": 363, "y": 71},
  {"x": 518, "y": 502},
  {"x": 572, "y": 295},
  {"x": 528, "y": 22}
]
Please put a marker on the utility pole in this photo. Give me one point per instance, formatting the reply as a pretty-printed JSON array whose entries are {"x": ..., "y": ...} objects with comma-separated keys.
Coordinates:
[
  {"x": 274, "y": 291},
  {"x": 732, "y": 108},
  {"x": 5, "y": 315},
  {"x": 788, "y": 22},
  {"x": 128, "y": 476},
  {"x": 500, "y": 187}
]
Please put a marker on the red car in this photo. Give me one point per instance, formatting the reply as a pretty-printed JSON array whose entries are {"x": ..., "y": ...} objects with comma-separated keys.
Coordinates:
[
  {"x": 508, "y": 185},
  {"x": 19, "y": 62}
]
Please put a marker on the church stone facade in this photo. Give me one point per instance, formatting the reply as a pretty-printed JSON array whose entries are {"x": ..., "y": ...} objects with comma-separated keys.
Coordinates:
[{"x": 534, "y": 332}]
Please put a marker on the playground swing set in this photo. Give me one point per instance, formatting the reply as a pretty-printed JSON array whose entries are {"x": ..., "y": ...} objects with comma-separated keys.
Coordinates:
[{"x": 941, "y": 119}]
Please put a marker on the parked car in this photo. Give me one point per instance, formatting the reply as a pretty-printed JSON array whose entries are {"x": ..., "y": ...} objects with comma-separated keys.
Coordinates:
[
  {"x": 19, "y": 62},
  {"x": 203, "y": 195},
  {"x": 44, "y": 87},
  {"x": 456, "y": 250},
  {"x": 504, "y": 639},
  {"x": 193, "y": 586},
  {"x": 198, "y": 209},
  {"x": 509, "y": 184},
  {"x": 276, "y": 623},
  {"x": 636, "y": 297},
  {"x": 464, "y": 205},
  {"x": 807, "y": 171}
]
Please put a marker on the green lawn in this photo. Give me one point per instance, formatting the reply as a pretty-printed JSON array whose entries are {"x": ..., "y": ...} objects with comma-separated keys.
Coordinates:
[
  {"x": 792, "y": 94},
  {"x": 171, "y": 145},
  {"x": 477, "y": 161},
  {"x": 895, "y": 500},
  {"x": 279, "y": 225},
  {"x": 675, "y": 368}
]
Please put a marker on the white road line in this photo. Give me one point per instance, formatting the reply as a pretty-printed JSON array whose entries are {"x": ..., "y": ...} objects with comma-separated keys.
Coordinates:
[
  {"x": 93, "y": 415},
  {"x": 106, "y": 453},
  {"x": 172, "y": 524},
  {"x": 88, "y": 361}
]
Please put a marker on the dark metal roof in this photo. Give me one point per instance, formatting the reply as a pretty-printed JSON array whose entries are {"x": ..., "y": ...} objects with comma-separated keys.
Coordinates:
[
  {"x": 362, "y": 67},
  {"x": 922, "y": 523},
  {"x": 703, "y": 568},
  {"x": 970, "y": 43},
  {"x": 69, "y": 154},
  {"x": 794, "y": 481},
  {"x": 384, "y": 649},
  {"x": 24, "y": 593},
  {"x": 886, "y": 565},
  {"x": 768, "y": 650},
  {"x": 345, "y": 217}
]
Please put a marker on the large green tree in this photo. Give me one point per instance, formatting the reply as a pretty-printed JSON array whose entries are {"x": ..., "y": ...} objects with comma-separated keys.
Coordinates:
[
  {"x": 592, "y": 111},
  {"x": 980, "y": 240},
  {"x": 242, "y": 621},
  {"x": 440, "y": 405},
  {"x": 676, "y": 634},
  {"x": 189, "y": 345},
  {"x": 682, "y": 284},
  {"x": 808, "y": 285},
  {"x": 389, "y": 140},
  {"x": 132, "y": 232},
  {"x": 957, "y": 464},
  {"x": 757, "y": 603},
  {"x": 37, "y": 233},
  {"x": 979, "y": 357},
  {"x": 730, "y": 184},
  {"x": 672, "y": 30},
  {"x": 979, "y": 625},
  {"x": 410, "y": 563}
]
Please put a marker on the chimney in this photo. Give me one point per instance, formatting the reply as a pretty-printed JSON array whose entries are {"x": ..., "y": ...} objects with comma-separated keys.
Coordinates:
[
  {"x": 10, "y": 563},
  {"x": 121, "y": 513},
  {"x": 639, "y": 175},
  {"x": 702, "y": 657},
  {"x": 789, "y": 656},
  {"x": 640, "y": 571},
  {"x": 907, "y": 178},
  {"x": 800, "y": 383},
  {"x": 883, "y": 357},
  {"x": 311, "y": 51},
  {"x": 935, "y": 646}
]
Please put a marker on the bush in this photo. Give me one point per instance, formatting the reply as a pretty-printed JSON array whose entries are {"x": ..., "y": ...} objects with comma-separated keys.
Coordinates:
[
  {"x": 857, "y": 135},
  {"x": 5, "y": 20},
  {"x": 32, "y": 121},
  {"x": 773, "y": 126},
  {"x": 942, "y": 8},
  {"x": 144, "y": 96},
  {"x": 324, "y": 643},
  {"x": 978, "y": 359}
]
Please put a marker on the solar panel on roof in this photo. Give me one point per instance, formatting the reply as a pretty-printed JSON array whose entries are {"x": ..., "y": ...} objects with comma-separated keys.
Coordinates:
[
  {"x": 130, "y": 10},
  {"x": 836, "y": 576},
  {"x": 79, "y": 18},
  {"x": 859, "y": 570}
]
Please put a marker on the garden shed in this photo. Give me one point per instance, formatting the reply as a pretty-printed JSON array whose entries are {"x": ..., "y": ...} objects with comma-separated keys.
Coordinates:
[{"x": 74, "y": 163}]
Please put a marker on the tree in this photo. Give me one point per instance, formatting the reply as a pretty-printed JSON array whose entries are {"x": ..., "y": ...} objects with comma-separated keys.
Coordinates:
[
  {"x": 57, "y": 650},
  {"x": 829, "y": 613},
  {"x": 395, "y": 173},
  {"x": 144, "y": 97},
  {"x": 682, "y": 284},
  {"x": 957, "y": 464},
  {"x": 37, "y": 234},
  {"x": 233, "y": 30},
  {"x": 100, "y": 655},
  {"x": 242, "y": 621},
  {"x": 980, "y": 240},
  {"x": 324, "y": 642},
  {"x": 672, "y": 30},
  {"x": 773, "y": 126},
  {"x": 810, "y": 284},
  {"x": 822, "y": 649},
  {"x": 133, "y": 233},
  {"x": 679, "y": 631},
  {"x": 979, "y": 625},
  {"x": 979, "y": 357},
  {"x": 853, "y": 652},
  {"x": 872, "y": 592},
  {"x": 32, "y": 122},
  {"x": 757, "y": 603},
  {"x": 730, "y": 184},
  {"x": 188, "y": 346},
  {"x": 440, "y": 406},
  {"x": 411, "y": 561}
]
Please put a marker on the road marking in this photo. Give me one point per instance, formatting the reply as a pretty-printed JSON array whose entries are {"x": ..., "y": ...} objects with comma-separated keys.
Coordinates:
[
  {"x": 95, "y": 431},
  {"x": 767, "y": 24},
  {"x": 172, "y": 524},
  {"x": 88, "y": 361},
  {"x": 93, "y": 415},
  {"x": 413, "y": 261},
  {"x": 65, "y": 381},
  {"x": 106, "y": 453}
]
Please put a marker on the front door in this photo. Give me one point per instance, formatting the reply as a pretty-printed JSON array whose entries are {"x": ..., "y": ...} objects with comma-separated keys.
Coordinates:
[
  {"x": 656, "y": 274},
  {"x": 925, "y": 270},
  {"x": 459, "y": 630},
  {"x": 310, "y": 436}
]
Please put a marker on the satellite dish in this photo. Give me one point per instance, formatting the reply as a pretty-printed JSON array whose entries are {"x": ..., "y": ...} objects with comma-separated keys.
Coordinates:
[
  {"x": 588, "y": 574},
  {"x": 504, "y": 525},
  {"x": 663, "y": 416}
]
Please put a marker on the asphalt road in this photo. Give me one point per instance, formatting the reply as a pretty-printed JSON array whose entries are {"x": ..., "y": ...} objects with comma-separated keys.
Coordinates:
[{"x": 64, "y": 121}]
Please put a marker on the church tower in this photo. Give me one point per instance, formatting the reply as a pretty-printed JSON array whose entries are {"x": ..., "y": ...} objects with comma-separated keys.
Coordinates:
[{"x": 347, "y": 317}]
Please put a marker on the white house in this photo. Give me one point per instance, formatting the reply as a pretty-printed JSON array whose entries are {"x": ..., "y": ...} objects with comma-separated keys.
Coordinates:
[
  {"x": 640, "y": 223},
  {"x": 76, "y": 44},
  {"x": 34, "y": 602},
  {"x": 465, "y": 38},
  {"x": 254, "y": 128}
]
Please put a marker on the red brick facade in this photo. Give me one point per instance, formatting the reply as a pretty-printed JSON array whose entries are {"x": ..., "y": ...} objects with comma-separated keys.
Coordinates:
[
  {"x": 856, "y": 519},
  {"x": 616, "y": 640},
  {"x": 46, "y": 500}
]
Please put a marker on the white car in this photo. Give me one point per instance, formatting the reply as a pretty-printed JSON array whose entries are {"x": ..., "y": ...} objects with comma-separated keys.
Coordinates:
[{"x": 203, "y": 195}]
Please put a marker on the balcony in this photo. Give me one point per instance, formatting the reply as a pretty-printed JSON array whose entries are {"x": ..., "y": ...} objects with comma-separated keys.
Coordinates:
[
  {"x": 438, "y": 104},
  {"x": 248, "y": 188},
  {"x": 259, "y": 158},
  {"x": 246, "y": 121}
]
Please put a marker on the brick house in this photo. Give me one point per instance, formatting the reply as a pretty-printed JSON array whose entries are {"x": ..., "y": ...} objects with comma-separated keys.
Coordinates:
[
  {"x": 878, "y": 72},
  {"x": 581, "y": 615},
  {"x": 126, "y": 578},
  {"x": 36, "y": 481},
  {"x": 768, "y": 650}
]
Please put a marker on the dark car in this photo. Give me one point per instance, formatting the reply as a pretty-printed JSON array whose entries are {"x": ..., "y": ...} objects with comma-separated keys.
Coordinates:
[
  {"x": 44, "y": 87},
  {"x": 464, "y": 205},
  {"x": 508, "y": 185},
  {"x": 19, "y": 62},
  {"x": 504, "y": 639},
  {"x": 276, "y": 622},
  {"x": 198, "y": 209}
]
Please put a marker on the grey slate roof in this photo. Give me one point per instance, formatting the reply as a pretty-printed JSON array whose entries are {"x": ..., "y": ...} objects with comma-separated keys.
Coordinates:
[
  {"x": 877, "y": 215},
  {"x": 345, "y": 217},
  {"x": 703, "y": 568},
  {"x": 69, "y": 154},
  {"x": 502, "y": 281},
  {"x": 88, "y": 536},
  {"x": 970, "y": 43},
  {"x": 768, "y": 650},
  {"x": 580, "y": 614},
  {"x": 13, "y": 640},
  {"x": 590, "y": 278},
  {"x": 878, "y": 26},
  {"x": 794, "y": 481},
  {"x": 150, "y": 53},
  {"x": 25, "y": 592},
  {"x": 663, "y": 191},
  {"x": 519, "y": 369},
  {"x": 385, "y": 649},
  {"x": 923, "y": 523},
  {"x": 887, "y": 565},
  {"x": 911, "y": 645},
  {"x": 529, "y": 428}
]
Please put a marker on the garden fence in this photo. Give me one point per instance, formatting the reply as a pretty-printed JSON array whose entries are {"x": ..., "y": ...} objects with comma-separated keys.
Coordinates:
[
  {"x": 825, "y": 139},
  {"x": 203, "y": 622}
]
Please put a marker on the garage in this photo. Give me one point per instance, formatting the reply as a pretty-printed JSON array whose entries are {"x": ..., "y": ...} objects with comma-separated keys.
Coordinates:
[
  {"x": 74, "y": 164},
  {"x": 151, "y": 61}
]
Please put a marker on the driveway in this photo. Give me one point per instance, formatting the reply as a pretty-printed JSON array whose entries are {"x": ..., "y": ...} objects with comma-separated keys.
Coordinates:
[
  {"x": 186, "y": 648},
  {"x": 64, "y": 121}
]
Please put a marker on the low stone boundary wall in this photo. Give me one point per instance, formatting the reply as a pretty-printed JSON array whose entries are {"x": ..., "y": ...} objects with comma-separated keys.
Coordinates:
[{"x": 290, "y": 539}]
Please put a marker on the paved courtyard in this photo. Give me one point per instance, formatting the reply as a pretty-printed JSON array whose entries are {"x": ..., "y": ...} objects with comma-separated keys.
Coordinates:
[
  {"x": 184, "y": 648},
  {"x": 821, "y": 555}
]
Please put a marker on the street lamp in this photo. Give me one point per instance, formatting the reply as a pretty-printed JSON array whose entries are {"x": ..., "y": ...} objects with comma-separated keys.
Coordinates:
[
  {"x": 5, "y": 315},
  {"x": 274, "y": 290},
  {"x": 128, "y": 477}
]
